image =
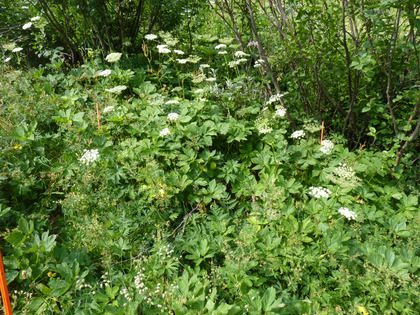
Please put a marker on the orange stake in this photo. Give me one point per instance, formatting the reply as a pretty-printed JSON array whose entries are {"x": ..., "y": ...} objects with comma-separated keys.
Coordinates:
[
  {"x": 97, "y": 115},
  {"x": 3, "y": 287},
  {"x": 322, "y": 132}
]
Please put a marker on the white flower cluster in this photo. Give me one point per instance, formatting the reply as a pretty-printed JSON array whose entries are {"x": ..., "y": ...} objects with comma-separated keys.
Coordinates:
[
  {"x": 139, "y": 280},
  {"x": 240, "y": 53},
  {"x": 198, "y": 91},
  {"x": 182, "y": 61},
  {"x": 344, "y": 171},
  {"x": 89, "y": 156},
  {"x": 280, "y": 112},
  {"x": 35, "y": 18},
  {"x": 319, "y": 192},
  {"x": 298, "y": 134},
  {"x": 211, "y": 79},
  {"x": 105, "y": 73},
  {"x": 348, "y": 213},
  {"x": 265, "y": 130},
  {"x": 233, "y": 64},
  {"x": 162, "y": 49},
  {"x": 7, "y": 59},
  {"x": 173, "y": 116},
  {"x": 151, "y": 37},
  {"x": 275, "y": 98},
  {"x": 108, "y": 109},
  {"x": 117, "y": 89},
  {"x": 223, "y": 52},
  {"x": 164, "y": 132},
  {"x": 178, "y": 52},
  {"x": 105, "y": 282},
  {"x": 80, "y": 284},
  {"x": 259, "y": 63},
  {"x": 171, "y": 102},
  {"x": 113, "y": 57},
  {"x": 220, "y": 46},
  {"x": 125, "y": 293},
  {"x": 26, "y": 26},
  {"x": 17, "y": 49},
  {"x": 327, "y": 147},
  {"x": 204, "y": 65}
]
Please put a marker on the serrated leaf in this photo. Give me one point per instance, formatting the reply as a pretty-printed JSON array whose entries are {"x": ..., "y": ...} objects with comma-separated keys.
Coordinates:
[
  {"x": 59, "y": 287},
  {"x": 16, "y": 238}
]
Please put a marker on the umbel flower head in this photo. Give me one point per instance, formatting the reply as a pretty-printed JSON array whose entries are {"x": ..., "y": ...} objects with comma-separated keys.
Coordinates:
[
  {"x": 348, "y": 213},
  {"x": 298, "y": 134},
  {"x": 327, "y": 147},
  {"x": 280, "y": 111},
  {"x": 105, "y": 73},
  {"x": 89, "y": 156},
  {"x": 151, "y": 37},
  {"x": 344, "y": 176},
  {"x": 319, "y": 192},
  {"x": 117, "y": 89},
  {"x": 164, "y": 132},
  {"x": 27, "y": 25},
  {"x": 173, "y": 116},
  {"x": 113, "y": 57}
]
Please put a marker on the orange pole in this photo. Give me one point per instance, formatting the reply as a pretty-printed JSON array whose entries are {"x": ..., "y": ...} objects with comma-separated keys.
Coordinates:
[
  {"x": 3, "y": 289},
  {"x": 322, "y": 132},
  {"x": 97, "y": 115}
]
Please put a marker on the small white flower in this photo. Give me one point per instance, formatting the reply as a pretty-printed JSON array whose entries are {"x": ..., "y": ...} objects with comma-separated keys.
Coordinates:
[
  {"x": 89, "y": 156},
  {"x": 233, "y": 64},
  {"x": 265, "y": 130},
  {"x": 113, "y": 57},
  {"x": 280, "y": 112},
  {"x": 344, "y": 171},
  {"x": 173, "y": 116},
  {"x": 178, "y": 52},
  {"x": 298, "y": 134},
  {"x": 105, "y": 73},
  {"x": 17, "y": 49},
  {"x": 204, "y": 65},
  {"x": 164, "y": 132},
  {"x": 223, "y": 52},
  {"x": 348, "y": 213},
  {"x": 327, "y": 147},
  {"x": 161, "y": 46},
  {"x": 211, "y": 79},
  {"x": 198, "y": 91},
  {"x": 182, "y": 61},
  {"x": 118, "y": 89},
  {"x": 108, "y": 109},
  {"x": 26, "y": 26},
  {"x": 151, "y": 37},
  {"x": 164, "y": 51},
  {"x": 220, "y": 46},
  {"x": 35, "y": 18},
  {"x": 7, "y": 59},
  {"x": 275, "y": 98},
  {"x": 171, "y": 102},
  {"x": 241, "y": 54},
  {"x": 319, "y": 192}
]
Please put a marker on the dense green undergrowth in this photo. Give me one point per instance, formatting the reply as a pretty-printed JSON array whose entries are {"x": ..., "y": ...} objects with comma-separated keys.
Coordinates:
[{"x": 167, "y": 183}]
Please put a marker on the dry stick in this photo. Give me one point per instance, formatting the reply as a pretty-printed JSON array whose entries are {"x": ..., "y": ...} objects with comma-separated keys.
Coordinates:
[
  {"x": 97, "y": 115},
  {"x": 3, "y": 289},
  {"x": 322, "y": 132}
]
